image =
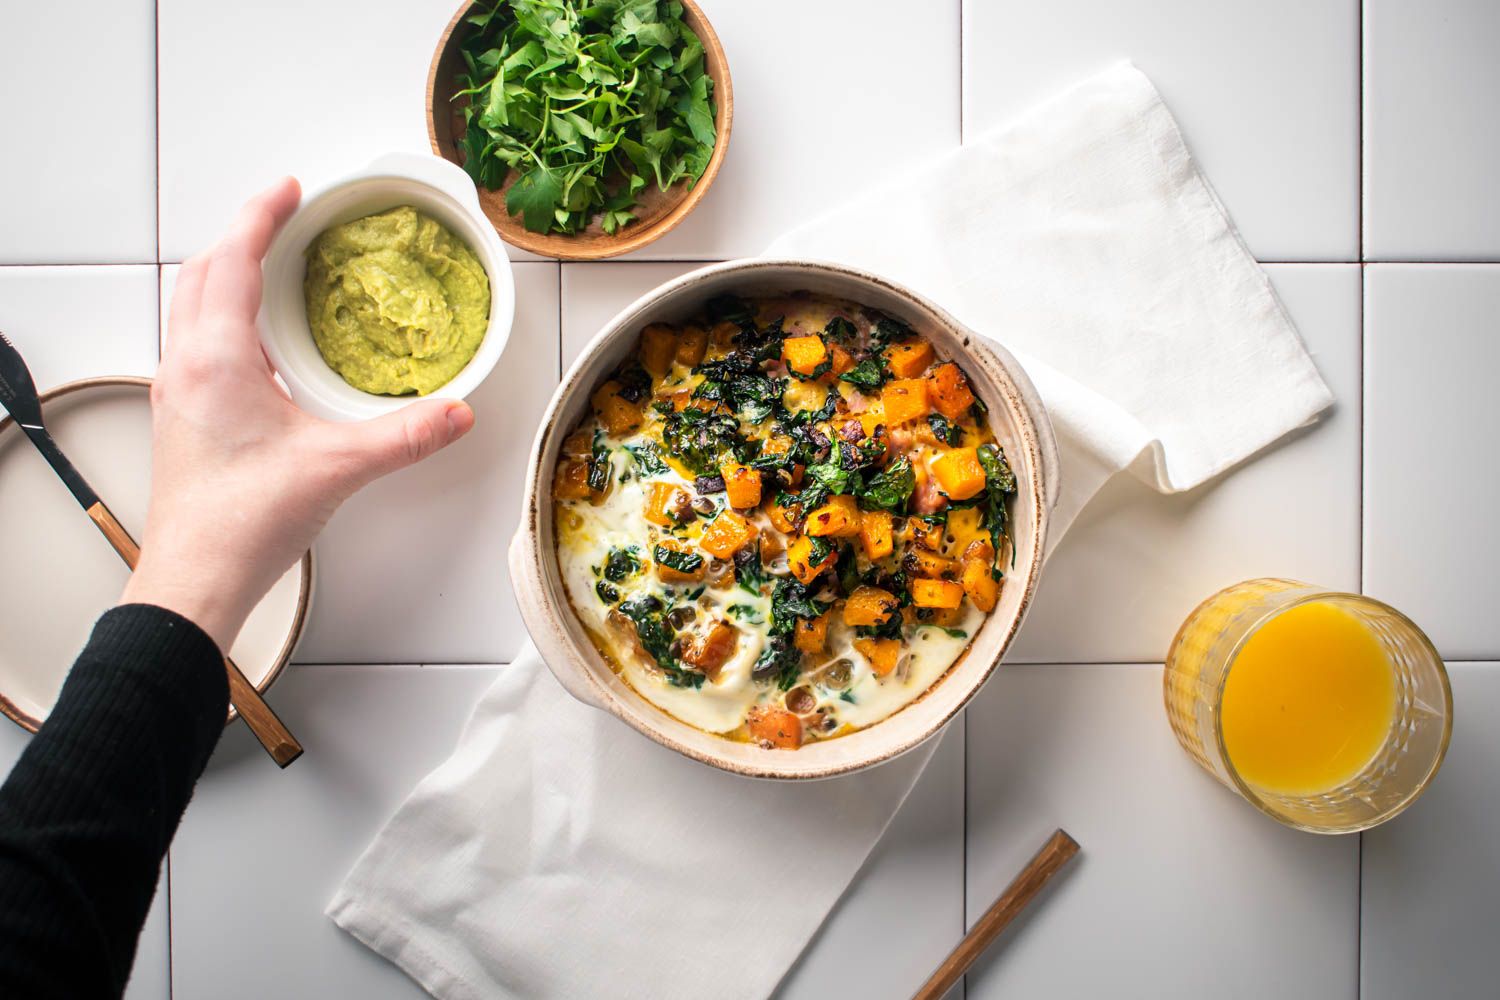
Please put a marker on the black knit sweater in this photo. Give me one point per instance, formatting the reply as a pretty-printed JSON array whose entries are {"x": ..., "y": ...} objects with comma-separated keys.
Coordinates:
[{"x": 88, "y": 811}]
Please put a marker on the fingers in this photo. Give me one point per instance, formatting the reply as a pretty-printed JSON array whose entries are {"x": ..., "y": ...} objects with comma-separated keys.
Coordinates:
[
  {"x": 187, "y": 294},
  {"x": 231, "y": 286},
  {"x": 387, "y": 444}
]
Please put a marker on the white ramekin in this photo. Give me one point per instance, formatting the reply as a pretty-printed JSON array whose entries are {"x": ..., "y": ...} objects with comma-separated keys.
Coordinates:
[{"x": 429, "y": 184}]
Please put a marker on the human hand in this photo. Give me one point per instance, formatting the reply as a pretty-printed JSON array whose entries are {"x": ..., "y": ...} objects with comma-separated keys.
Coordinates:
[{"x": 242, "y": 481}]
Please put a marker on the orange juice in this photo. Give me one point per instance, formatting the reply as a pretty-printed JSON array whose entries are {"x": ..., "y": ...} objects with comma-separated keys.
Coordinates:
[{"x": 1308, "y": 701}]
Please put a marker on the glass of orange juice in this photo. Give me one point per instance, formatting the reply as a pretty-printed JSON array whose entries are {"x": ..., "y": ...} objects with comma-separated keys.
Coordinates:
[{"x": 1329, "y": 712}]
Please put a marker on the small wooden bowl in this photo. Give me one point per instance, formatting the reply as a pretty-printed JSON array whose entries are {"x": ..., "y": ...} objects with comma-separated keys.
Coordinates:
[{"x": 657, "y": 212}]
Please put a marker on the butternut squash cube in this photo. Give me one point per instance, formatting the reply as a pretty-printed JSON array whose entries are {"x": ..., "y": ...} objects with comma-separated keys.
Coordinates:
[
  {"x": 904, "y": 399},
  {"x": 870, "y": 606},
  {"x": 726, "y": 535},
  {"x": 658, "y": 348},
  {"x": 936, "y": 593},
  {"x": 572, "y": 482},
  {"x": 922, "y": 562},
  {"x": 875, "y": 533},
  {"x": 799, "y": 557},
  {"x": 839, "y": 361},
  {"x": 692, "y": 342},
  {"x": 774, "y": 728},
  {"x": 712, "y": 649},
  {"x": 959, "y": 473},
  {"x": 617, "y": 414},
  {"x": 951, "y": 395},
  {"x": 666, "y": 504},
  {"x": 909, "y": 359},
  {"x": 742, "y": 483},
  {"x": 980, "y": 584},
  {"x": 804, "y": 354},
  {"x": 668, "y": 574},
  {"x": 811, "y": 635},
  {"x": 838, "y": 518},
  {"x": 883, "y": 654},
  {"x": 784, "y": 519}
]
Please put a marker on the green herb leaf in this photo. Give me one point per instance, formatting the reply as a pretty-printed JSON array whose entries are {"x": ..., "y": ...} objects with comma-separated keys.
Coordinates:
[
  {"x": 889, "y": 489},
  {"x": 944, "y": 430},
  {"x": 868, "y": 374},
  {"x": 676, "y": 559}
]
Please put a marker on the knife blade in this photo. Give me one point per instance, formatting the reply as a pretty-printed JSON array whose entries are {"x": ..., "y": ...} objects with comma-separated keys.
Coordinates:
[{"x": 19, "y": 398}]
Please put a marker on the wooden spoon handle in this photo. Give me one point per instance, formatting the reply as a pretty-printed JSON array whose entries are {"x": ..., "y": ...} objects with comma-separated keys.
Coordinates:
[
  {"x": 1056, "y": 852},
  {"x": 263, "y": 722}
]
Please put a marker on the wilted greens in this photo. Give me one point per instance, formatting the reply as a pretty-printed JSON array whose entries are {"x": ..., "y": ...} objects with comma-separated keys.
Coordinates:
[{"x": 588, "y": 102}]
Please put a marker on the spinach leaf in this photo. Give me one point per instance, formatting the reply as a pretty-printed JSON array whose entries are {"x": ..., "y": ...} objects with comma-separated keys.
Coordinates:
[
  {"x": 889, "y": 489},
  {"x": 736, "y": 382},
  {"x": 676, "y": 559},
  {"x": 780, "y": 659},
  {"x": 599, "y": 464},
  {"x": 749, "y": 573},
  {"x": 868, "y": 374},
  {"x": 789, "y": 601},
  {"x": 607, "y": 594},
  {"x": 730, "y": 309},
  {"x": 649, "y": 615},
  {"x": 999, "y": 486},
  {"x": 635, "y": 382},
  {"x": 840, "y": 331},
  {"x": 700, "y": 439},
  {"x": 620, "y": 563},
  {"x": 887, "y": 331},
  {"x": 647, "y": 459},
  {"x": 944, "y": 430},
  {"x": 746, "y": 613}
]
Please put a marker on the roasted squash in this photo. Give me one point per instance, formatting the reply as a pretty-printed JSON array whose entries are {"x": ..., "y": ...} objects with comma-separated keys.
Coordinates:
[
  {"x": 804, "y": 354},
  {"x": 710, "y": 650},
  {"x": 980, "y": 584},
  {"x": 726, "y": 535},
  {"x": 799, "y": 556},
  {"x": 692, "y": 342},
  {"x": 572, "y": 482},
  {"x": 616, "y": 413},
  {"x": 667, "y": 505},
  {"x": 909, "y": 358},
  {"x": 658, "y": 348},
  {"x": 950, "y": 391},
  {"x": 774, "y": 728},
  {"x": 936, "y": 593},
  {"x": 742, "y": 483},
  {"x": 882, "y": 654},
  {"x": 904, "y": 399},
  {"x": 838, "y": 518},
  {"x": 839, "y": 361},
  {"x": 875, "y": 533},
  {"x": 811, "y": 634},
  {"x": 667, "y": 574},
  {"x": 870, "y": 606},
  {"x": 923, "y": 562},
  {"x": 959, "y": 473},
  {"x": 784, "y": 519}
]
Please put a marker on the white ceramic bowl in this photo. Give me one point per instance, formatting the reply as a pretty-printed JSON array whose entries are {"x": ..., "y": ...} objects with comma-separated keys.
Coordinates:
[
  {"x": 431, "y": 185},
  {"x": 1016, "y": 416}
]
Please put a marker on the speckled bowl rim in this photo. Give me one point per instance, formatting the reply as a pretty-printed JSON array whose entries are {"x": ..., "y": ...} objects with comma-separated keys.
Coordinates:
[
  {"x": 29, "y": 722},
  {"x": 533, "y": 558}
]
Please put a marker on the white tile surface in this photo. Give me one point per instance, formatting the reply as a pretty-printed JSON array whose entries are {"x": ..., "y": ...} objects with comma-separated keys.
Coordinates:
[
  {"x": 1136, "y": 562},
  {"x": 1266, "y": 94},
  {"x": 827, "y": 96},
  {"x": 76, "y": 322},
  {"x": 255, "y": 928},
  {"x": 1430, "y": 131},
  {"x": 437, "y": 589},
  {"x": 150, "y": 976},
  {"x": 1431, "y": 416},
  {"x": 78, "y": 113},
  {"x": 915, "y": 875},
  {"x": 1431, "y": 877},
  {"x": 1181, "y": 889}
]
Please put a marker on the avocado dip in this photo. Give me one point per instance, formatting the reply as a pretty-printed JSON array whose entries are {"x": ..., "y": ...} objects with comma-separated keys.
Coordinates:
[{"x": 396, "y": 303}]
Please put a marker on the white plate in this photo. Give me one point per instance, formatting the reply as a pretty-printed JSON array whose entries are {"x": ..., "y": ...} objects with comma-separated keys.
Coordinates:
[{"x": 59, "y": 574}]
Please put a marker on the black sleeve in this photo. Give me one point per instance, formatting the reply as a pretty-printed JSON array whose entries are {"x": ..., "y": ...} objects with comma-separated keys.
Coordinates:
[{"x": 88, "y": 811}]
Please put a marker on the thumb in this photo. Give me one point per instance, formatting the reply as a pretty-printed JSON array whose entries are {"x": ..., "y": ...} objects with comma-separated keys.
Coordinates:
[{"x": 390, "y": 443}]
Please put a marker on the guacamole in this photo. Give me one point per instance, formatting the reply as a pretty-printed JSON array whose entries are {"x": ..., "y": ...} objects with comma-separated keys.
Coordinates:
[{"x": 396, "y": 303}]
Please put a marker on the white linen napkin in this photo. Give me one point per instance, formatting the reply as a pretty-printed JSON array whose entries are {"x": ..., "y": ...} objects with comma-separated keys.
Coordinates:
[{"x": 559, "y": 854}]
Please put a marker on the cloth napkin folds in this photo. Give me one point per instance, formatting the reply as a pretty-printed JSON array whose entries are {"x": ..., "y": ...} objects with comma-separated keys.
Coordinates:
[{"x": 559, "y": 854}]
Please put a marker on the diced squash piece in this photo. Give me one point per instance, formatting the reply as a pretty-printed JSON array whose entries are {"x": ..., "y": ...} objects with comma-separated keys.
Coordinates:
[
  {"x": 799, "y": 559},
  {"x": 711, "y": 650},
  {"x": 909, "y": 358},
  {"x": 774, "y": 728},
  {"x": 800, "y": 395},
  {"x": 726, "y": 535},
  {"x": 904, "y": 399},
  {"x": 980, "y": 584},
  {"x": 669, "y": 575},
  {"x": 615, "y": 412},
  {"x": 916, "y": 531},
  {"x": 692, "y": 342},
  {"x": 838, "y": 518},
  {"x": 959, "y": 473},
  {"x": 922, "y": 562},
  {"x": 870, "y": 606},
  {"x": 875, "y": 533},
  {"x": 980, "y": 549},
  {"x": 572, "y": 482},
  {"x": 658, "y": 348},
  {"x": 666, "y": 504},
  {"x": 872, "y": 417},
  {"x": 936, "y": 593},
  {"x": 839, "y": 361},
  {"x": 770, "y": 546},
  {"x": 811, "y": 635},
  {"x": 944, "y": 617},
  {"x": 579, "y": 444},
  {"x": 967, "y": 526},
  {"x": 883, "y": 654},
  {"x": 742, "y": 483},
  {"x": 784, "y": 519},
  {"x": 950, "y": 393},
  {"x": 804, "y": 354}
]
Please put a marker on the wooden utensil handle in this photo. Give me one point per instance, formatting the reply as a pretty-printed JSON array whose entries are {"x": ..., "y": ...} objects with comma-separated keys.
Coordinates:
[
  {"x": 263, "y": 722},
  {"x": 1056, "y": 852}
]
